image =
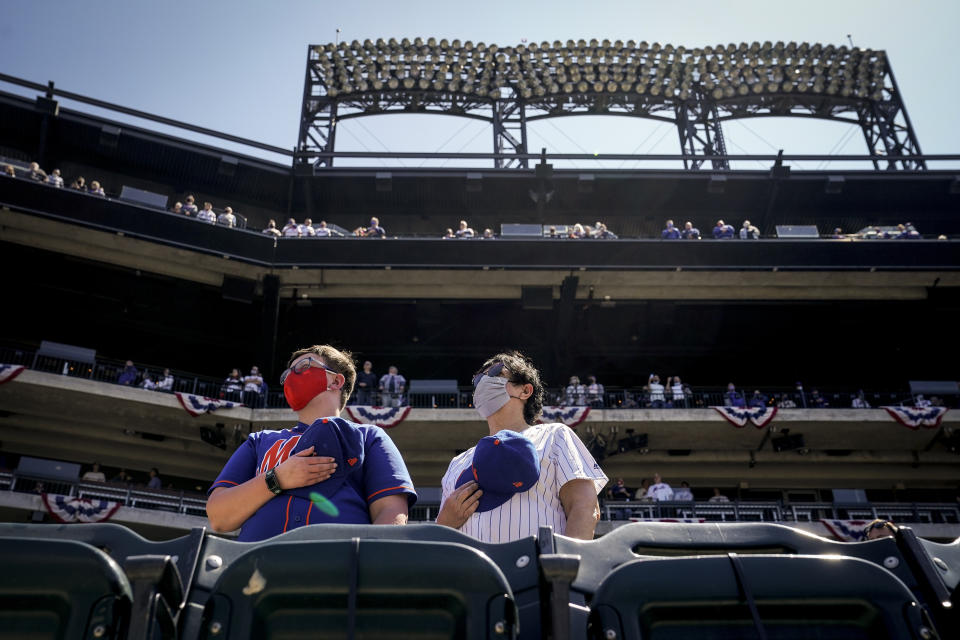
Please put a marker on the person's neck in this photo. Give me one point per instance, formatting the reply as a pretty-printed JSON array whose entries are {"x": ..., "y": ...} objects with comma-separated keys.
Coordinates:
[
  {"x": 318, "y": 408},
  {"x": 507, "y": 418}
]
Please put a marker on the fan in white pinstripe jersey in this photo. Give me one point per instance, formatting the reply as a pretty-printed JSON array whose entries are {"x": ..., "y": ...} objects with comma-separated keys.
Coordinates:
[
  {"x": 563, "y": 457},
  {"x": 508, "y": 393}
]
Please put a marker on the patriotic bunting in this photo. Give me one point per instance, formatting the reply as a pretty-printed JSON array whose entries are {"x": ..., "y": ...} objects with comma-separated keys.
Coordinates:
[
  {"x": 383, "y": 417},
  {"x": 9, "y": 371},
  {"x": 916, "y": 417},
  {"x": 195, "y": 405},
  {"x": 846, "y": 530},
  {"x": 570, "y": 416},
  {"x": 740, "y": 416},
  {"x": 67, "y": 509}
]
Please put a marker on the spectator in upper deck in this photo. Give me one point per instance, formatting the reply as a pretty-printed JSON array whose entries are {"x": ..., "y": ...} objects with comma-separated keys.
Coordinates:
[
  {"x": 251, "y": 388},
  {"x": 601, "y": 232},
  {"x": 96, "y": 189},
  {"x": 36, "y": 173},
  {"x": 670, "y": 232},
  {"x": 306, "y": 229},
  {"x": 576, "y": 231},
  {"x": 659, "y": 490},
  {"x": 684, "y": 492},
  {"x": 594, "y": 392},
  {"x": 860, "y": 401},
  {"x": 374, "y": 230},
  {"x": 366, "y": 384},
  {"x": 291, "y": 229},
  {"x": 95, "y": 474},
  {"x": 227, "y": 218},
  {"x": 154, "y": 482},
  {"x": 55, "y": 179},
  {"x": 733, "y": 398},
  {"x": 271, "y": 229},
  {"x": 488, "y": 234},
  {"x": 189, "y": 207},
  {"x": 207, "y": 214},
  {"x": 749, "y": 232},
  {"x": 322, "y": 230},
  {"x": 690, "y": 232},
  {"x": 722, "y": 230},
  {"x": 392, "y": 386},
  {"x": 786, "y": 402},
  {"x": 233, "y": 386},
  {"x": 465, "y": 231},
  {"x": 9, "y": 171},
  {"x": 757, "y": 399},
  {"x": 575, "y": 395},
  {"x": 128, "y": 375},
  {"x": 165, "y": 381},
  {"x": 838, "y": 234},
  {"x": 655, "y": 391},
  {"x": 817, "y": 401},
  {"x": 177, "y": 208},
  {"x": 79, "y": 184},
  {"x": 449, "y": 235}
]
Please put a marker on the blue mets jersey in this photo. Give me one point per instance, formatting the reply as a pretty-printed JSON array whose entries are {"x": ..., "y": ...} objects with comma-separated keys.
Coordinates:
[{"x": 369, "y": 467}]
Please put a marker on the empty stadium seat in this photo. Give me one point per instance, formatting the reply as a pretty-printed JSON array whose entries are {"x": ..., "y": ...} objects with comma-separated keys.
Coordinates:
[
  {"x": 517, "y": 560},
  {"x": 360, "y": 588},
  {"x": 726, "y": 597},
  {"x": 61, "y": 589}
]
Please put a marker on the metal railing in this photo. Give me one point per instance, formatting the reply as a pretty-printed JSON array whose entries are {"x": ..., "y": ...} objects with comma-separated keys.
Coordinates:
[
  {"x": 181, "y": 502},
  {"x": 109, "y": 370},
  {"x": 777, "y": 511}
]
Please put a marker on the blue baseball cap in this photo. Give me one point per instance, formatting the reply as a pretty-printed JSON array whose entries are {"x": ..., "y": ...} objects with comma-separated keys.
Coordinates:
[{"x": 504, "y": 465}]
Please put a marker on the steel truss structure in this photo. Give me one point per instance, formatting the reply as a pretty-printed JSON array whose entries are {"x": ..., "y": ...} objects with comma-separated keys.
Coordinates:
[{"x": 696, "y": 90}]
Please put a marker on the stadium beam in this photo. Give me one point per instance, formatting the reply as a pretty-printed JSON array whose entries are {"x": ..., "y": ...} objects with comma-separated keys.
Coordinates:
[{"x": 694, "y": 89}]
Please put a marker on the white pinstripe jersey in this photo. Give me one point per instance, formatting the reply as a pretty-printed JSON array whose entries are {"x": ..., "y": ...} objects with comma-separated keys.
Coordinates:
[{"x": 563, "y": 457}]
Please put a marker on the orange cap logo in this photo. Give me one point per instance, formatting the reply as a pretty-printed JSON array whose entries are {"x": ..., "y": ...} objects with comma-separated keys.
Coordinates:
[{"x": 351, "y": 461}]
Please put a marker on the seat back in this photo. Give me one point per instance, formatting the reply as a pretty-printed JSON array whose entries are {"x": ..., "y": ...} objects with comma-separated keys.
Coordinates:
[
  {"x": 517, "y": 560},
  {"x": 775, "y": 597},
  {"x": 360, "y": 588},
  {"x": 61, "y": 589}
]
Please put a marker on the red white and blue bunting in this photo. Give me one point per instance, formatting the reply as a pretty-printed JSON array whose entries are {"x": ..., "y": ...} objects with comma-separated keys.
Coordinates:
[
  {"x": 916, "y": 417},
  {"x": 383, "y": 417},
  {"x": 9, "y": 371},
  {"x": 846, "y": 530},
  {"x": 570, "y": 416},
  {"x": 67, "y": 509},
  {"x": 196, "y": 405},
  {"x": 740, "y": 416}
]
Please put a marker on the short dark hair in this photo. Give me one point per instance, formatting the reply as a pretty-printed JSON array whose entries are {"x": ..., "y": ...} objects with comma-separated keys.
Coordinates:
[
  {"x": 521, "y": 371},
  {"x": 337, "y": 360}
]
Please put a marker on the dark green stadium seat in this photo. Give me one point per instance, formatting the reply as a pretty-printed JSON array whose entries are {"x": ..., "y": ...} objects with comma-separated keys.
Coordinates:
[
  {"x": 776, "y": 597},
  {"x": 163, "y": 569},
  {"x": 517, "y": 560},
  {"x": 905, "y": 557},
  {"x": 360, "y": 588},
  {"x": 61, "y": 589}
]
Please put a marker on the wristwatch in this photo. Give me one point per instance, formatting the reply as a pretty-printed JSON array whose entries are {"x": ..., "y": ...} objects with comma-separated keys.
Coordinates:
[{"x": 272, "y": 482}]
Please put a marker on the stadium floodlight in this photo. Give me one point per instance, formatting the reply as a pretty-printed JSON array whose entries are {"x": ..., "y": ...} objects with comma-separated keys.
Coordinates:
[
  {"x": 582, "y": 87},
  {"x": 393, "y": 83}
]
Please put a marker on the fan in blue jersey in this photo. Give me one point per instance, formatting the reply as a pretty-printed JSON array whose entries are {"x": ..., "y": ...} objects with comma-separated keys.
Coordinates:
[{"x": 270, "y": 484}]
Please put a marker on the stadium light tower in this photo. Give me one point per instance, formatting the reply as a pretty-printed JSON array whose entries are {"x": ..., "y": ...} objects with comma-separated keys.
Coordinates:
[{"x": 694, "y": 89}]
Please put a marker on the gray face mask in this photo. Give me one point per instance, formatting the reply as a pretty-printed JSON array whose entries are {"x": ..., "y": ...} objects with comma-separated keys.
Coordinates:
[{"x": 490, "y": 395}]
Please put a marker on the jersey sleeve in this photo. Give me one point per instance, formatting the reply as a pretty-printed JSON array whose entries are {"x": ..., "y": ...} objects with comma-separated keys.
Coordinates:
[
  {"x": 240, "y": 467},
  {"x": 574, "y": 461},
  {"x": 384, "y": 471}
]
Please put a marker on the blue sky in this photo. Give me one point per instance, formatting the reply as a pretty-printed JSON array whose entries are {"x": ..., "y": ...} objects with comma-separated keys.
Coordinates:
[{"x": 238, "y": 66}]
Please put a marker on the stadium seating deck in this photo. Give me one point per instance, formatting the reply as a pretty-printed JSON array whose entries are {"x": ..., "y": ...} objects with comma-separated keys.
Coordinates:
[{"x": 641, "y": 580}]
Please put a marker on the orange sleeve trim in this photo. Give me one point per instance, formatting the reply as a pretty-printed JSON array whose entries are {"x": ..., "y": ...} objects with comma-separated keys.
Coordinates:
[
  {"x": 309, "y": 509},
  {"x": 287, "y": 520},
  {"x": 387, "y": 489},
  {"x": 227, "y": 481}
]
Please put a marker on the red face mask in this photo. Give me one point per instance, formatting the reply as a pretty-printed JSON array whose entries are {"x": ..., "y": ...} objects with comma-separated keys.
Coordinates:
[{"x": 300, "y": 388}]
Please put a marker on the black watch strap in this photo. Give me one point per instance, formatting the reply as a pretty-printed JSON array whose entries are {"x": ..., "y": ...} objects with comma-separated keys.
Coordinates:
[{"x": 272, "y": 483}]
